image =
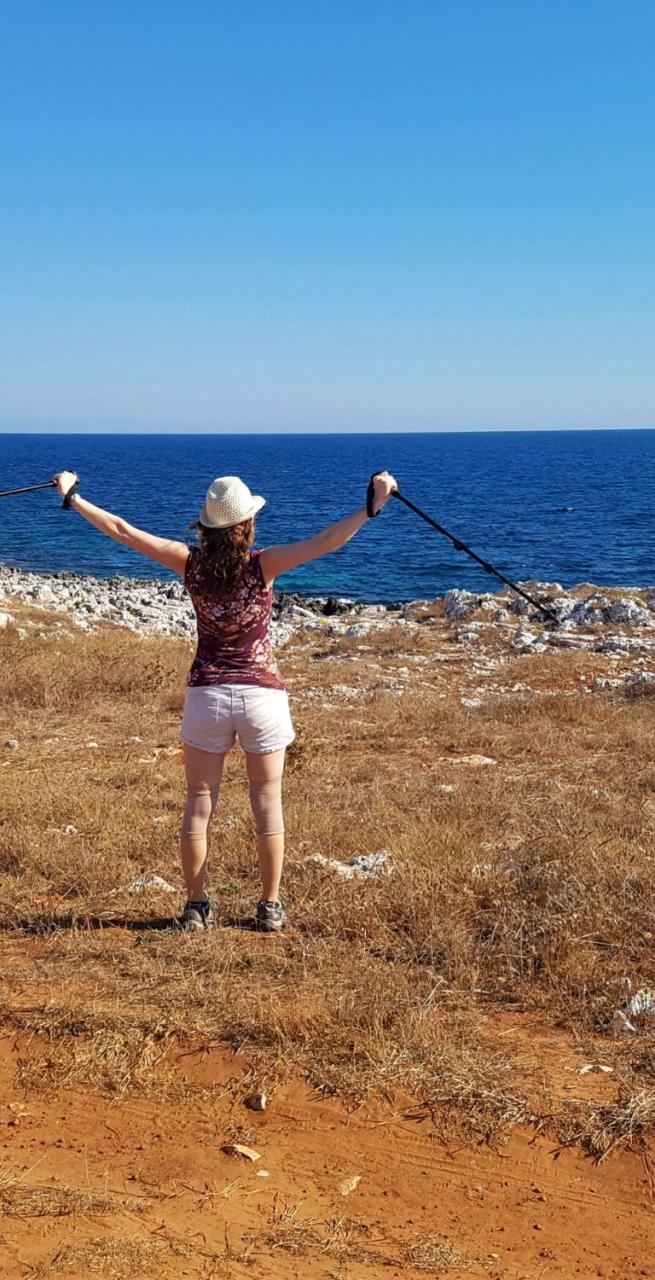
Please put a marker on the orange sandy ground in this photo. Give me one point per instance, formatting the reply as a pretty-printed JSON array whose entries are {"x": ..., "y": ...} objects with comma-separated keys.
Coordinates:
[{"x": 525, "y": 1211}]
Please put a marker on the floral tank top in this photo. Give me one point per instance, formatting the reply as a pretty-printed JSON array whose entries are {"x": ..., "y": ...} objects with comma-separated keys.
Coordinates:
[{"x": 234, "y": 644}]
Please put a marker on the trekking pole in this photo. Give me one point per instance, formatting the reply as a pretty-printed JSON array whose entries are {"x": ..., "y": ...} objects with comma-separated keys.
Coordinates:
[
  {"x": 461, "y": 546},
  {"x": 28, "y": 488}
]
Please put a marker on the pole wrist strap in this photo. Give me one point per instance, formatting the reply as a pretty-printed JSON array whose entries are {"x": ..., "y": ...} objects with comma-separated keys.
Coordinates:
[
  {"x": 67, "y": 503},
  {"x": 370, "y": 497}
]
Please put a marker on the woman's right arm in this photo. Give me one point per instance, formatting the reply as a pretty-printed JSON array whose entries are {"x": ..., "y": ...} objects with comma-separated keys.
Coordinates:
[
  {"x": 166, "y": 551},
  {"x": 276, "y": 560}
]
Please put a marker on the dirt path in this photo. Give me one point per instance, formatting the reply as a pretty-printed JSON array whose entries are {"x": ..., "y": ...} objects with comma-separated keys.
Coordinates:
[{"x": 523, "y": 1212}]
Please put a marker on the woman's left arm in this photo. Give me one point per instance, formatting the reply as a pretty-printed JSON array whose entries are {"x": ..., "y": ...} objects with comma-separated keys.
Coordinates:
[{"x": 173, "y": 555}]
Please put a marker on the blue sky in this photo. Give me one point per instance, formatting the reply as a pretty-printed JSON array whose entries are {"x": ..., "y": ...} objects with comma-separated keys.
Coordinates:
[{"x": 327, "y": 214}]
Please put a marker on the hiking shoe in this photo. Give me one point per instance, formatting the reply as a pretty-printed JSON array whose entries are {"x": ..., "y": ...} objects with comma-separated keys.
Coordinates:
[
  {"x": 270, "y": 916},
  {"x": 198, "y": 915}
]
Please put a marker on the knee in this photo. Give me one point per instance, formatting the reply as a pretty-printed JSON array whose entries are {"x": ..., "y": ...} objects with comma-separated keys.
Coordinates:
[
  {"x": 266, "y": 804},
  {"x": 201, "y": 795},
  {"x": 200, "y": 802}
]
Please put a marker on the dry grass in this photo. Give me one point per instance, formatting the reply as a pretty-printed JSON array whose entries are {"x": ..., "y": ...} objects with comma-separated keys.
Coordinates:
[
  {"x": 118, "y": 1061},
  {"x": 438, "y": 1256},
  {"x": 121, "y": 1258},
  {"x": 346, "y": 1240},
  {"x": 342, "y": 1239},
  {"x": 17, "y": 1200},
  {"x": 526, "y": 886},
  {"x": 22, "y": 1199},
  {"x": 629, "y": 1122}
]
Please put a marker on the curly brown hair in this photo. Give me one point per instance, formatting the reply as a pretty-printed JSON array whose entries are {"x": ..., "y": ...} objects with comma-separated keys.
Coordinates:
[{"x": 224, "y": 553}]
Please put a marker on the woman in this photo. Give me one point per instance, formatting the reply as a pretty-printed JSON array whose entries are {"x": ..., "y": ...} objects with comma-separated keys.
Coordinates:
[{"x": 234, "y": 687}]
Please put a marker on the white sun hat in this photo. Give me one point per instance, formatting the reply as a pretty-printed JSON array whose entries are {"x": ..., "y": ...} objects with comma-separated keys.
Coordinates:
[{"x": 228, "y": 502}]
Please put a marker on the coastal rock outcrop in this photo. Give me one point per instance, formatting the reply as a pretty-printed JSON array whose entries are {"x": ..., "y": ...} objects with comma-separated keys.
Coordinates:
[{"x": 588, "y": 618}]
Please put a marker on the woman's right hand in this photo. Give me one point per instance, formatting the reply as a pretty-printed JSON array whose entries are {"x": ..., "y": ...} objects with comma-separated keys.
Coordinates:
[
  {"x": 384, "y": 485},
  {"x": 64, "y": 481}
]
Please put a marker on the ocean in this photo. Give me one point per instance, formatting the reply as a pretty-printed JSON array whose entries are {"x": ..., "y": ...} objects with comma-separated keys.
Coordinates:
[{"x": 571, "y": 507}]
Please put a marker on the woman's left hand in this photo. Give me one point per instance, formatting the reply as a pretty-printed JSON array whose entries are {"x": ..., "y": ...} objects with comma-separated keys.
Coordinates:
[
  {"x": 384, "y": 485},
  {"x": 64, "y": 481}
]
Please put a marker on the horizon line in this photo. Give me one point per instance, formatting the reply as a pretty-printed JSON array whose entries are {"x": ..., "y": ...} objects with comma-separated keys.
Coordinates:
[{"x": 437, "y": 431}]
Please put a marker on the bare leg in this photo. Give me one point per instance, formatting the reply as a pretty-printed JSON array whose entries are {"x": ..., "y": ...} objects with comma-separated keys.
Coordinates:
[
  {"x": 204, "y": 770},
  {"x": 265, "y": 784}
]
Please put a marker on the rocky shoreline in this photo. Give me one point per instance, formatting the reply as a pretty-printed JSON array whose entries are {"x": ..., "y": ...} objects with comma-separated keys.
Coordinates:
[
  {"x": 617, "y": 621},
  {"x": 154, "y": 606}
]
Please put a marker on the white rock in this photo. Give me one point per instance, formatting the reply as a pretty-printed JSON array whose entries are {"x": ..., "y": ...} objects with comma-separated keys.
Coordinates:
[
  {"x": 347, "y": 691},
  {"x": 239, "y": 1149},
  {"x": 349, "y": 1185},
  {"x": 524, "y": 640},
  {"x": 360, "y": 629},
  {"x": 409, "y": 610},
  {"x": 296, "y": 613},
  {"x": 150, "y": 881},
  {"x": 536, "y": 587},
  {"x": 628, "y": 610},
  {"x": 467, "y": 635},
  {"x": 281, "y": 634},
  {"x": 620, "y": 644},
  {"x": 257, "y": 1102},
  {"x": 5, "y": 619},
  {"x": 518, "y": 605},
  {"x": 637, "y": 678},
  {"x": 473, "y": 760},
  {"x": 642, "y": 1004},
  {"x": 559, "y": 641},
  {"x": 365, "y": 866},
  {"x": 562, "y": 607},
  {"x": 460, "y": 604}
]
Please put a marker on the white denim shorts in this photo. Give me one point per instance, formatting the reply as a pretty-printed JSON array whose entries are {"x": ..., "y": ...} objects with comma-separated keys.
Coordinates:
[{"x": 216, "y": 715}]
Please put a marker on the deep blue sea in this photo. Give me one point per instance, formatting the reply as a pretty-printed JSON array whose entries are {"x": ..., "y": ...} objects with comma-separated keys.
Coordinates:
[{"x": 567, "y": 506}]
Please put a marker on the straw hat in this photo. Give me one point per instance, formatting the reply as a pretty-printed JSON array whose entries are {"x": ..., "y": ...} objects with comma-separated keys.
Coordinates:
[{"x": 228, "y": 502}]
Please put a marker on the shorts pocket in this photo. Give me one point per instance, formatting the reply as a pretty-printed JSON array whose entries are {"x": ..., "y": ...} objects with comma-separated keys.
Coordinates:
[
  {"x": 207, "y": 721},
  {"x": 266, "y": 724}
]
